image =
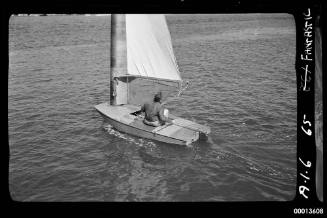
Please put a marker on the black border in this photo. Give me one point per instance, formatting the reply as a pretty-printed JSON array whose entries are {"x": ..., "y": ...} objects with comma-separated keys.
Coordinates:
[{"x": 305, "y": 147}]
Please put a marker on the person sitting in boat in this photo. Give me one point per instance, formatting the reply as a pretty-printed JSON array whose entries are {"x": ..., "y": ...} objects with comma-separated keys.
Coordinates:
[{"x": 155, "y": 113}]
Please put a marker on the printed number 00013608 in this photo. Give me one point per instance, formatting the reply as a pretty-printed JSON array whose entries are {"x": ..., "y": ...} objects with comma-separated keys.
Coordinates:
[{"x": 308, "y": 211}]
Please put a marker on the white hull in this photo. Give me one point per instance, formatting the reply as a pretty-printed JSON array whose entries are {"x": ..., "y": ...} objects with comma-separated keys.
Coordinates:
[{"x": 184, "y": 132}]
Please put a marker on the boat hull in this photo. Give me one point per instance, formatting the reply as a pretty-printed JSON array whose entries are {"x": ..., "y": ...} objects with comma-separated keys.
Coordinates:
[{"x": 121, "y": 119}]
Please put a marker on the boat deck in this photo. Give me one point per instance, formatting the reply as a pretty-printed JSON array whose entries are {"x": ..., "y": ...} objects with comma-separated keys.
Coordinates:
[{"x": 182, "y": 131}]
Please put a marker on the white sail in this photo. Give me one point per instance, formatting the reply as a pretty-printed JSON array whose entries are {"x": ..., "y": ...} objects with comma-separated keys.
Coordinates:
[{"x": 149, "y": 48}]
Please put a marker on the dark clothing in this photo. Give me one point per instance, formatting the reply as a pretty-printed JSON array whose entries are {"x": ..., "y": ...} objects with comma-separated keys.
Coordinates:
[{"x": 154, "y": 112}]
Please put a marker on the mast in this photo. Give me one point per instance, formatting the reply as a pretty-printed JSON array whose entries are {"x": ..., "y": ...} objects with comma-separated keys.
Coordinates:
[{"x": 118, "y": 60}]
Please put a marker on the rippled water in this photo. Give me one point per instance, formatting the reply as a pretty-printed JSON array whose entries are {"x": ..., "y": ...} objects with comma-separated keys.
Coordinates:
[{"x": 243, "y": 85}]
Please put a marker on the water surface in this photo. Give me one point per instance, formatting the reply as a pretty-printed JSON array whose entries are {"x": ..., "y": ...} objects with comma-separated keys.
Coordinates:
[{"x": 243, "y": 85}]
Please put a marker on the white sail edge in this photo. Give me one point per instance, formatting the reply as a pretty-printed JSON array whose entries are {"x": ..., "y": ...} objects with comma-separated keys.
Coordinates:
[{"x": 149, "y": 47}]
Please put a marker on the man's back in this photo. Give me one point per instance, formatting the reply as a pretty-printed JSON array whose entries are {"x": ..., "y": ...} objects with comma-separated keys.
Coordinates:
[{"x": 152, "y": 111}]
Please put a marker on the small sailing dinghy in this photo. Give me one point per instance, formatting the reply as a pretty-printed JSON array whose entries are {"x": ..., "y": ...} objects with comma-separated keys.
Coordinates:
[{"x": 142, "y": 63}]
